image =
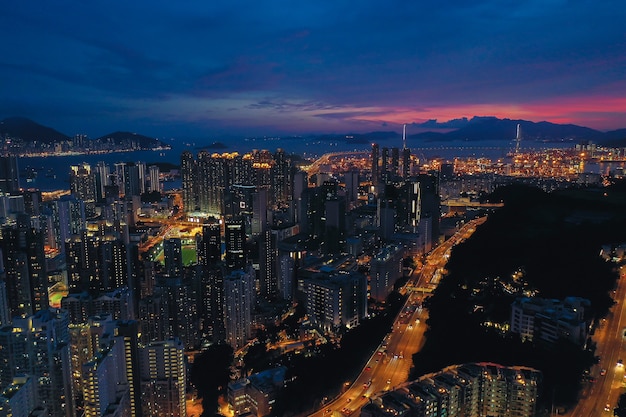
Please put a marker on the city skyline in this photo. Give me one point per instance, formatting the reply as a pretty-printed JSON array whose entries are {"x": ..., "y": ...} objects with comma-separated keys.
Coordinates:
[{"x": 211, "y": 69}]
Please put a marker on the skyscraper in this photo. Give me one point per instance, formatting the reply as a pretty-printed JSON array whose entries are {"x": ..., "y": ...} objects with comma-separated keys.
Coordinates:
[
  {"x": 238, "y": 305},
  {"x": 374, "y": 160},
  {"x": 22, "y": 247},
  {"x": 83, "y": 186},
  {"x": 188, "y": 173},
  {"x": 153, "y": 178},
  {"x": 173, "y": 253},
  {"x": 235, "y": 235},
  {"x": 9, "y": 174},
  {"x": 163, "y": 377}
]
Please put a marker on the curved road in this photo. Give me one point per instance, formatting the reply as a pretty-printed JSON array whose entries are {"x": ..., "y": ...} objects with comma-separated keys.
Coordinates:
[
  {"x": 600, "y": 397},
  {"x": 390, "y": 364}
]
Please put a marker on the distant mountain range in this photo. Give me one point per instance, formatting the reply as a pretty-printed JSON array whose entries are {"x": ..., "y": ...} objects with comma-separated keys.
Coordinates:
[
  {"x": 30, "y": 131},
  {"x": 491, "y": 129},
  {"x": 464, "y": 129}
]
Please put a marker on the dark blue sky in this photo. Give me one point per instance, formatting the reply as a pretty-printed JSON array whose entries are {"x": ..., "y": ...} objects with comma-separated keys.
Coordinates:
[{"x": 203, "y": 68}]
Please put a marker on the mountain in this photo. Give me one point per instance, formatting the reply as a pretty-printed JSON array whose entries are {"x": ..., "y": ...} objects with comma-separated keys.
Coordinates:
[
  {"x": 126, "y": 138},
  {"x": 492, "y": 128},
  {"x": 29, "y": 131},
  {"x": 616, "y": 138}
]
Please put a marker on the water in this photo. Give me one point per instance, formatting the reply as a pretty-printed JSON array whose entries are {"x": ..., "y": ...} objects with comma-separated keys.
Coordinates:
[{"x": 52, "y": 173}]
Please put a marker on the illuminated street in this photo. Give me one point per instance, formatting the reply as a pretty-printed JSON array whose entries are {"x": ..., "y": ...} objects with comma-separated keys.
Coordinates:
[
  {"x": 390, "y": 364},
  {"x": 599, "y": 398}
]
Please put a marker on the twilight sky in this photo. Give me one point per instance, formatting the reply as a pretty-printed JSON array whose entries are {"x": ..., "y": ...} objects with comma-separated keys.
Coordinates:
[{"x": 201, "y": 68}]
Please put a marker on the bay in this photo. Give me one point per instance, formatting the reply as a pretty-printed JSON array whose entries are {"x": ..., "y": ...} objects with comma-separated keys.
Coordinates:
[{"x": 52, "y": 172}]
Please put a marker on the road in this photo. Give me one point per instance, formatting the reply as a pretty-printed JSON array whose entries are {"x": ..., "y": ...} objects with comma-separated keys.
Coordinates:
[
  {"x": 600, "y": 397},
  {"x": 390, "y": 364}
]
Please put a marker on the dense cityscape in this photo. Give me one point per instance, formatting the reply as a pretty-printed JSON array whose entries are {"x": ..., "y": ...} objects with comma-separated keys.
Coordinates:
[{"x": 115, "y": 295}]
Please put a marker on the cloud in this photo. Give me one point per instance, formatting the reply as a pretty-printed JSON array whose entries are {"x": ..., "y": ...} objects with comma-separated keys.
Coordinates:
[{"x": 316, "y": 65}]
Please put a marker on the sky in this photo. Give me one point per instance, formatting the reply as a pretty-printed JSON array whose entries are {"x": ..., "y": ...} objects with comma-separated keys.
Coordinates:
[{"x": 199, "y": 69}]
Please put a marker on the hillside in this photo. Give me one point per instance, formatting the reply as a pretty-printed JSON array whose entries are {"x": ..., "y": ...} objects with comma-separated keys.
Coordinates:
[
  {"x": 29, "y": 131},
  {"x": 126, "y": 138}
]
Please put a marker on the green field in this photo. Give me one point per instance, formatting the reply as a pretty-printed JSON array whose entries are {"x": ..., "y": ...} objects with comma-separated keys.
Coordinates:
[{"x": 189, "y": 255}]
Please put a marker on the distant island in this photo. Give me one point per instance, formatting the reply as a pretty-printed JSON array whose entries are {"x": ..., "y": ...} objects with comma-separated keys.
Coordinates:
[{"x": 24, "y": 137}]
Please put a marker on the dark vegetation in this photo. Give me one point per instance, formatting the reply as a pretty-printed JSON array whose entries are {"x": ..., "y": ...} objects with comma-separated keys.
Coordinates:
[
  {"x": 316, "y": 372},
  {"x": 554, "y": 241},
  {"x": 323, "y": 373},
  {"x": 210, "y": 375}
]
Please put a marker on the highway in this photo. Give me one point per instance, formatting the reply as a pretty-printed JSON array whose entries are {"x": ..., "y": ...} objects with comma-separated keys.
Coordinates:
[
  {"x": 389, "y": 366},
  {"x": 599, "y": 398}
]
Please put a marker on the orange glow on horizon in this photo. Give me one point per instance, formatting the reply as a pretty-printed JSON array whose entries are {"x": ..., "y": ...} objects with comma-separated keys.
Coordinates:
[{"x": 602, "y": 113}]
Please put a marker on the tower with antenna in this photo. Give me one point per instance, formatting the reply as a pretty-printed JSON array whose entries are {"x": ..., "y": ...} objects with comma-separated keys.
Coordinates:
[
  {"x": 518, "y": 138},
  {"x": 404, "y": 136},
  {"x": 406, "y": 156}
]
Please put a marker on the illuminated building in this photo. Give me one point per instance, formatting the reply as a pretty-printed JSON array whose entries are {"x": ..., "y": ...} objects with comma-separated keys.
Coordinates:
[
  {"x": 335, "y": 300},
  {"x": 385, "y": 270},
  {"x": 163, "y": 379},
  {"x": 22, "y": 248},
  {"x": 374, "y": 161},
  {"x": 173, "y": 254},
  {"x": 257, "y": 394},
  {"x": 9, "y": 175},
  {"x": 469, "y": 390},
  {"x": 239, "y": 299},
  {"x": 20, "y": 398},
  {"x": 188, "y": 173},
  {"x": 83, "y": 186},
  {"x": 548, "y": 321},
  {"x": 281, "y": 178},
  {"x": 38, "y": 345},
  {"x": 235, "y": 239},
  {"x": 153, "y": 179}
]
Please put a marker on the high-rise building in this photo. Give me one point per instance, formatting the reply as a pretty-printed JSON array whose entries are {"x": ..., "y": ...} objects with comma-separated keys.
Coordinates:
[
  {"x": 335, "y": 300},
  {"x": 110, "y": 378},
  {"x": 153, "y": 179},
  {"x": 268, "y": 278},
  {"x": 128, "y": 331},
  {"x": 102, "y": 180},
  {"x": 406, "y": 163},
  {"x": 188, "y": 174},
  {"x": 83, "y": 186},
  {"x": 212, "y": 304},
  {"x": 395, "y": 161},
  {"x": 180, "y": 301},
  {"x": 385, "y": 270},
  {"x": 351, "y": 180},
  {"x": 384, "y": 160},
  {"x": 374, "y": 161},
  {"x": 173, "y": 254},
  {"x": 38, "y": 346},
  {"x": 9, "y": 175},
  {"x": 259, "y": 212},
  {"x": 239, "y": 298},
  {"x": 5, "y": 316},
  {"x": 235, "y": 239},
  {"x": 209, "y": 248},
  {"x": 20, "y": 398},
  {"x": 163, "y": 378},
  {"x": 24, "y": 262},
  {"x": 281, "y": 178},
  {"x": 133, "y": 184}
]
